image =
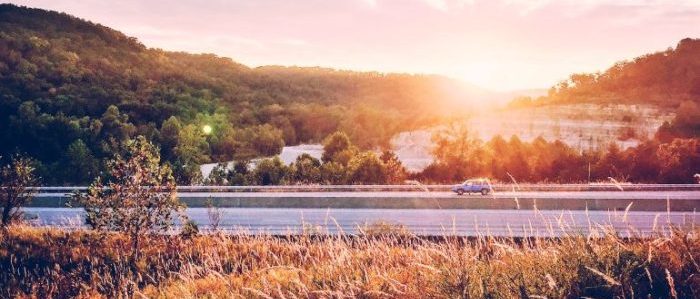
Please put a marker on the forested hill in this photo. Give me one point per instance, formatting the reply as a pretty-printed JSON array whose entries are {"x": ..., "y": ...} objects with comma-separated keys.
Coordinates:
[
  {"x": 666, "y": 79},
  {"x": 71, "y": 90},
  {"x": 669, "y": 80}
]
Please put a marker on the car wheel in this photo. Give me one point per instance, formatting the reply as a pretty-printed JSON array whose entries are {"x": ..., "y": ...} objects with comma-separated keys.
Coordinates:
[
  {"x": 460, "y": 192},
  {"x": 484, "y": 191}
]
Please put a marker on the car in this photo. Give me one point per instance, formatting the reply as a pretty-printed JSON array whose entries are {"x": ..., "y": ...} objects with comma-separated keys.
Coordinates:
[{"x": 482, "y": 186}]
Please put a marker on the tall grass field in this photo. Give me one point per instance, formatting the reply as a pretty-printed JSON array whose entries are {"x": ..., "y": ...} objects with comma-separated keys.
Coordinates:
[{"x": 382, "y": 261}]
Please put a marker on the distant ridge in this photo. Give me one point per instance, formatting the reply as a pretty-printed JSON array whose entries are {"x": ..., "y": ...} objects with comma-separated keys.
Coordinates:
[{"x": 666, "y": 79}]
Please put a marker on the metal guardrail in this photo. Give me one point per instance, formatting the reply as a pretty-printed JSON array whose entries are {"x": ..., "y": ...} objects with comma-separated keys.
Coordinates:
[{"x": 408, "y": 188}]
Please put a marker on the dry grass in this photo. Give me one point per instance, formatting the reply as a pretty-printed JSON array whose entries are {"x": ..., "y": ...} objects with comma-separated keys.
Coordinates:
[{"x": 45, "y": 263}]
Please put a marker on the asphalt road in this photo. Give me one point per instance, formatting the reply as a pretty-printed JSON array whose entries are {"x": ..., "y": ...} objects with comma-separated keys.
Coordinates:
[
  {"x": 519, "y": 223},
  {"x": 508, "y": 195},
  {"x": 631, "y": 195},
  {"x": 552, "y": 200}
]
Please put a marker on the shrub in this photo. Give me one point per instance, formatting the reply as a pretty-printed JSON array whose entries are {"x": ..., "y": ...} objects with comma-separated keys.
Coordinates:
[
  {"x": 15, "y": 177},
  {"x": 270, "y": 172},
  {"x": 366, "y": 168},
  {"x": 139, "y": 198}
]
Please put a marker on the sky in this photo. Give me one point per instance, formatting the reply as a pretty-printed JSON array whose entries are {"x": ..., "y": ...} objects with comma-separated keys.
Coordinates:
[{"x": 501, "y": 45}]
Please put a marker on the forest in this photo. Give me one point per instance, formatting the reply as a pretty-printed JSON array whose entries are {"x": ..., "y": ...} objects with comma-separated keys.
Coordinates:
[
  {"x": 668, "y": 79},
  {"x": 72, "y": 92},
  {"x": 459, "y": 155}
]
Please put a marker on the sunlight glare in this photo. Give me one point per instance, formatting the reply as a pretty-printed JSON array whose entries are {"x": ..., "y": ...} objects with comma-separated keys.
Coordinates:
[{"x": 206, "y": 129}]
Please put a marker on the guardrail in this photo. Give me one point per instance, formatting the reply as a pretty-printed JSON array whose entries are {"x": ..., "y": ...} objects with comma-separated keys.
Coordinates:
[{"x": 408, "y": 188}]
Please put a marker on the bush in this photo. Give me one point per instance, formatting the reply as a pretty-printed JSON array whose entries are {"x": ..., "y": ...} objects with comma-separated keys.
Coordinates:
[
  {"x": 366, "y": 168},
  {"x": 139, "y": 198},
  {"x": 306, "y": 170},
  {"x": 338, "y": 148},
  {"x": 15, "y": 177},
  {"x": 269, "y": 172}
]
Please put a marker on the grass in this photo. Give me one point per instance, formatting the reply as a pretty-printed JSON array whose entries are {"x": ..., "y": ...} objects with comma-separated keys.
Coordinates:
[{"x": 380, "y": 263}]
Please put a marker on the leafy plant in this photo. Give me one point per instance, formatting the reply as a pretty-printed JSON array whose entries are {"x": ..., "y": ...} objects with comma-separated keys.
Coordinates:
[
  {"x": 15, "y": 178},
  {"x": 139, "y": 197}
]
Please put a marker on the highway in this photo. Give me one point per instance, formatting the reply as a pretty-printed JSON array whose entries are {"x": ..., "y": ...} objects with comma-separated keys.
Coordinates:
[
  {"x": 534, "y": 210},
  {"x": 631, "y": 195},
  {"x": 414, "y": 188},
  {"x": 659, "y": 200},
  {"x": 517, "y": 223},
  {"x": 423, "y": 194}
]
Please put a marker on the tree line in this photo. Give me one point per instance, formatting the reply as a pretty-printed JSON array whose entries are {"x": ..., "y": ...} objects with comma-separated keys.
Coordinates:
[
  {"x": 458, "y": 155},
  {"x": 341, "y": 163}
]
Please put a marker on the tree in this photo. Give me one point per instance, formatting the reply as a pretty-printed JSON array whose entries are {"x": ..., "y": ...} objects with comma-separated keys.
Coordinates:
[
  {"x": 612, "y": 164},
  {"x": 191, "y": 151},
  {"x": 457, "y": 152},
  {"x": 79, "y": 165},
  {"x": 517, "y": 164},
  {"x": 219, "y": 175},
  {"x": 192, "y": 146},
  {"x": 224, "y": 145},
  {"x": 338, "y": 148},
  {"x": 15, "y": 178},
  {"x": 333, "y": 173},
  {"x": 686, "y": 124},
  {"x": 366, "y": 168},
  {"x": 117, "y": 125},
  {"x": 169, "y": 136},
  {"x": 187, "y": 173},
  {"x": 498, "y": 150},
  {"x": 138, "y": 199},
  {"x": 679, "y": 160},
  {"x": 306, "y": 170},
  {"x": 268, "y": 140},
  {"x": 269, "y": 172},
  {"x": 645, "y": 164},
  {"x": 395, "y": 172},
  {"x": 239, "y": 175}
]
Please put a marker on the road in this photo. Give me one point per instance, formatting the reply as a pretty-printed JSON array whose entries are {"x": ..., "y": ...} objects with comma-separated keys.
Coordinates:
[
  {"x": 631, "y": 195},
  {"x": 550, "y": 211},
  {"x": 518, "y": 223},
  {"x": 545, "y": 200}
]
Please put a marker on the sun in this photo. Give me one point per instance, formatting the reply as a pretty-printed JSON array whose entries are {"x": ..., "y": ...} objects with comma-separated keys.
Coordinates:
[{"x": 481, "y": 73}]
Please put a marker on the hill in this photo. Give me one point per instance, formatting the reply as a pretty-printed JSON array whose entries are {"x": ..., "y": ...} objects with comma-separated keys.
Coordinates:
[
  {"x": 669, "y": 80},
  {"x": 70, "y": 90}
]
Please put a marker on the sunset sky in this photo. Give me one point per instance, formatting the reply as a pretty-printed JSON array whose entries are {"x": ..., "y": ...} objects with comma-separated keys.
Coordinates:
[{"x": 497, "y": 44}]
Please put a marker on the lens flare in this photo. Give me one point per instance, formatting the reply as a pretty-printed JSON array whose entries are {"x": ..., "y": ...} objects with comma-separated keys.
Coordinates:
[{"x": 206, "y": 129}]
